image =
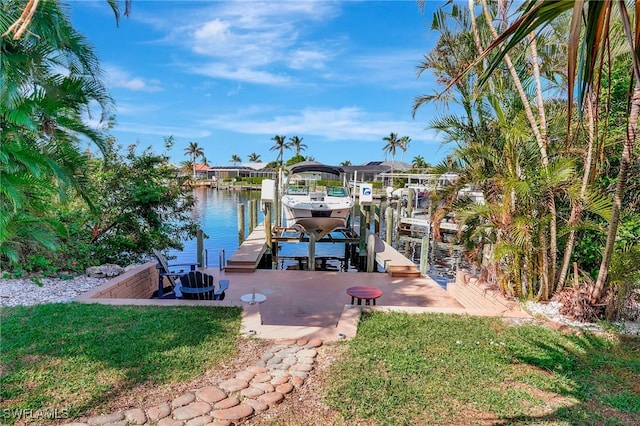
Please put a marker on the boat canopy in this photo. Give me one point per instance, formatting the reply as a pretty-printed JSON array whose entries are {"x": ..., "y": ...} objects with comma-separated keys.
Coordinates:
[{"x": 315, "y": 167}]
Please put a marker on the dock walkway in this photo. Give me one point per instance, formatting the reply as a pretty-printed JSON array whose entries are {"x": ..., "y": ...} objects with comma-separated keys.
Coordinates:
[{"x": 247, "y": 257}]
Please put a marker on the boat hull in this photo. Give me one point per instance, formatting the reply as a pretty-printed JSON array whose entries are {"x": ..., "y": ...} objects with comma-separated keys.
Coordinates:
[{"x": 318, "y": 218}]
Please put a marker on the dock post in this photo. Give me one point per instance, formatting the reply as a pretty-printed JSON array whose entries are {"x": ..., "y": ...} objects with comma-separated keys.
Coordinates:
[
  {"x": 371, "y": 252},
  {"x": 312, "y": 252},
  {"x": 374, "y": 212},
  {"x": 199, "y": 247},
  {"x": 251, "y": 208},
  {"x": 240, "y": 224},
  {"x": 267, "y": 222},
  {"x": 410, "y": 202},
  {"x": 363, "y": 231},
  {"x": 255, "y": 213},
  {"x": 424, "y": 255},
  {"x": 396, "y": 224},
  {"x": 388, "y": 220}
]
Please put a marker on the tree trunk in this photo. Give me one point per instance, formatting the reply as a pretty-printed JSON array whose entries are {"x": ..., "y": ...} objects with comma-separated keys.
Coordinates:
[
  {"x": 625, "y": 161},
  {"x": 577, "y": 208}
]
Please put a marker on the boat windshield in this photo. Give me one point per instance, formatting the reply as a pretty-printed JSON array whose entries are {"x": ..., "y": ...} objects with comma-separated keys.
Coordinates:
[
  {"x": 297, "y": 190},
  {"x": 337, "y": 191}
]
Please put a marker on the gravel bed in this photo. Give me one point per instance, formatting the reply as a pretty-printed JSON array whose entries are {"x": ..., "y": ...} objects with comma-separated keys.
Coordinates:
[
  {"x": 551, "y": 310},
  {"x": 25, "y": 292}
]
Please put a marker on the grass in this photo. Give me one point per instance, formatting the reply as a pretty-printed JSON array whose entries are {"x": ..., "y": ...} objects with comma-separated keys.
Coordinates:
[
  {"x": 442, "y": 369},
  {"x": 73, "y": 357}
]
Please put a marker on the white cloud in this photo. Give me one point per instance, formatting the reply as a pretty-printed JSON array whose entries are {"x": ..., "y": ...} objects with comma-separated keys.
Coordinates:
[
  {"x": 117, "y": 77},
  {"x": 347, "y": 123},
  {"x": 243, "y": 74}
]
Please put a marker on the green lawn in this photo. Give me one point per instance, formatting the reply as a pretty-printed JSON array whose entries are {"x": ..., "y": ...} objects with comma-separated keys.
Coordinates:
[
  {"x": 443, "y": 369},
  {"x": 74, "y": 357}
]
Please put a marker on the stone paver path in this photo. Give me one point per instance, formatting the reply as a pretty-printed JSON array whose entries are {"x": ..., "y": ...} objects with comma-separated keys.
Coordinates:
[{"x": 281, "y": 369}]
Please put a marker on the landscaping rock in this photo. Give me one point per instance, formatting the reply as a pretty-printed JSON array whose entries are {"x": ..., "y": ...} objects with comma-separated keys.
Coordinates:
[
  {"x": 104, "y": 271},
  {"x": 188, "y": 412}
]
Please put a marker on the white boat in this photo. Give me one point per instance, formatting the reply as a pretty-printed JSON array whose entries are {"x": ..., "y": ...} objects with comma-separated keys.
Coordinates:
[{"x": 310, "y": 208}]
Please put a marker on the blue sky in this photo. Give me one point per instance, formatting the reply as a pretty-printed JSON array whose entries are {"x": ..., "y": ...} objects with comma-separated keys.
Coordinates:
[{"x": 231, "y": 75}]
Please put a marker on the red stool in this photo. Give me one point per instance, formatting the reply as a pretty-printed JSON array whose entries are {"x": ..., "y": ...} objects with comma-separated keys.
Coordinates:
[{"x": 361, "y": 292}]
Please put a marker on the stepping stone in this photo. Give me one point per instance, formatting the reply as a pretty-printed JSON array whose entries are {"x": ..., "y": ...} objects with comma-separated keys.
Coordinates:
[
  {"x": 158, "y": 412},
  {"x": 284, "y": 388},
  {"x": 302, "y": 367},
  {"x": 297, "y": 381},
  {"x": 314, "y": 343},
  {"x": 306, "y": 360},
  {"x": 245, "y": 375},
  {"x": 220, "y": 422},
  {"x": 271, "y": 398},
  {"x": 302, "y": 342},
  {"x": 302, "y": 374},
  {"x": 251, "y": 392},
  {"x": 258, "y": 406},
  {"x": 232, "y": 401},
  {"x": 168, "y": 421},
  {"x": 239, "y": 412},
  {"x": 135, "y": 416},
  {"x": 265, "y": 387},
  {"x": 188, "y": 412},
  {"x": 200, "y": 421},
  {"x": 261, "y": 378},
  {"x": 278, "y": 380},
  {"x": 106, "y": 418},
  {"x": 257, "y": 369},
  {"x": 233, "y": 385},
  {"x": 211, "y": 394},
  {"x": 182, "y": 400},
  {"x": 310, "y": 353}
]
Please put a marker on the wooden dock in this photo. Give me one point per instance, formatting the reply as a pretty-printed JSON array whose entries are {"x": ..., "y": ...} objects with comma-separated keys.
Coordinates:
[
  {"x": 394, "y": 262},
  {"x": 247, "y": 257}
]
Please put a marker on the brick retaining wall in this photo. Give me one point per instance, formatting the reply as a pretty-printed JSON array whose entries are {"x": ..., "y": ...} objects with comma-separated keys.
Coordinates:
[{"x": 138, "y": 283}]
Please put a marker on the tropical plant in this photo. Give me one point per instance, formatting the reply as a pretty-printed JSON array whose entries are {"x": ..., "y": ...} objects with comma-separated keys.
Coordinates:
[
  {"x": 49, "y": 77},
  {"x": 235, "y": 159},
  {"x": 419, "y": 162},
  {"x": 404, "y": 145},
  {"x": 590, "y": 48},
  {"x": 295, "y": 142},
  {"x": 346, "y": 163},
  {"x": 194, "y": 151},
  {"x": 537, "y": 204},
  {"x": 280, "y": 145},
  {"x": 253, "y": 157}
]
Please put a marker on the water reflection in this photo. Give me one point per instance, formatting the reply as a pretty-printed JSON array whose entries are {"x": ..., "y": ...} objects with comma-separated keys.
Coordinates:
[{"x": 217, "y": 213}]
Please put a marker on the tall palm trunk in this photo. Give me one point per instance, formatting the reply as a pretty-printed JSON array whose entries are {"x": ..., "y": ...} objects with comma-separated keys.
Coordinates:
[
  {"x": 577, "y": 208},
  {"x": 625, "y": 161},
  {"x": 538, "y": 127}
]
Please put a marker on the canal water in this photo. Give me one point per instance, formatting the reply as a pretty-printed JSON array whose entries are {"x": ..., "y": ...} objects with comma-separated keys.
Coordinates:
[{"x": 217, "y": 213}]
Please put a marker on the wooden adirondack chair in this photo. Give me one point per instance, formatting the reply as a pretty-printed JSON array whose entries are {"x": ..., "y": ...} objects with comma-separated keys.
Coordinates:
[
  {"x": 170, "y": 272},
  {"x": 200, "y": 286}
]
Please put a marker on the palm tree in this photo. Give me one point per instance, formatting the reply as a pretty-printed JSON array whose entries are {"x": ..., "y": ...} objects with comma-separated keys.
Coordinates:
[
  {"x": 280, "y": 145},
  {"x": 392, "y": 144},
  {"x": 50, "y": 76},
  {"x": 235, "y": 159},
  {"x": 345, "y": 163},
  {"x": 253, "y": 157},
  {"x": 590, "y": 49},
  {"x": 194, "y": 151},
  {"x": 404, "y": 144},
  {"x": 419, "y": 162},
  {"x": 21, "y": 23},
  {"x": 296, "y": 143}
]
